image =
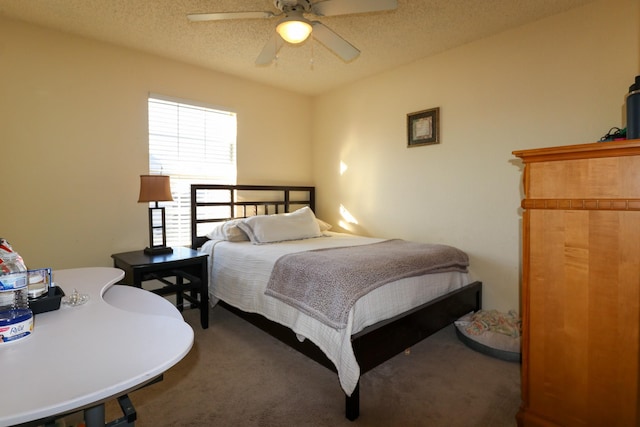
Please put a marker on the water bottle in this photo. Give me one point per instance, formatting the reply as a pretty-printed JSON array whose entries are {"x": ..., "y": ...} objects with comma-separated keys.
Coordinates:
[
  {"x": 16, "y": 319},
  {"x": 633, "y": 110}
]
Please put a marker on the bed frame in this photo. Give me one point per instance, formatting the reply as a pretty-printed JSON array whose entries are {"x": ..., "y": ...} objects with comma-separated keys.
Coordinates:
[{"x": 373, "y": 345}]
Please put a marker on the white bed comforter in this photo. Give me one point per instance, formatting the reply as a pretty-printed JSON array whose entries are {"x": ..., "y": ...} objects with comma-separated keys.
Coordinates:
[{"x": 239, "y": 273}]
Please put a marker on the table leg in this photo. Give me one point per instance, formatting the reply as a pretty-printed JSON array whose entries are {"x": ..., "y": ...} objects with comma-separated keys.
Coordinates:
[
  {"x": 179, "y": 299},
  {"x": 204, "y": 296},
  {"x": 94, "y": 416}
]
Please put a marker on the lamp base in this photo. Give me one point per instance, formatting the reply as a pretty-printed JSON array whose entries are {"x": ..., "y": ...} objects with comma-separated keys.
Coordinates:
[{"x": 158, "y": 250}]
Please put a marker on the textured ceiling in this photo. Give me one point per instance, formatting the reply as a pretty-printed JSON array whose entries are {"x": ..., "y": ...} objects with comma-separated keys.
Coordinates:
[{"x": 417, "y": 29}]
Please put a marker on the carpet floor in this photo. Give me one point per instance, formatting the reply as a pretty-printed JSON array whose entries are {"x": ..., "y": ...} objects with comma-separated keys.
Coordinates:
[{"x": 237, "y": 375}]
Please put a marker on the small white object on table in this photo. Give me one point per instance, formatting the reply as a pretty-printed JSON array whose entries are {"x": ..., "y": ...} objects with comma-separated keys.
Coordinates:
[{"x": 79, "y": 357}]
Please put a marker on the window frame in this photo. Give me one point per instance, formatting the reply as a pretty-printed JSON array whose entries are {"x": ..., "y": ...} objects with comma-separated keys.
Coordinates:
[{"x": 178, "y": 212}]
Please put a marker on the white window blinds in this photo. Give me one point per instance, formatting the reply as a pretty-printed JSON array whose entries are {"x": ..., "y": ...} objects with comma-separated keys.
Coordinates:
[{"x": 192, "y": 144}]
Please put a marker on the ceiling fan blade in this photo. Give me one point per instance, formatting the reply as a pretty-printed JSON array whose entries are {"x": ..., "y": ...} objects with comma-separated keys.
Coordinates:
[
  {"x": 334, "y": 42},
  {"x": 198, "y": 17},
  {"x": 270, "y": 50},
  {"x": 345, "y": 7}
]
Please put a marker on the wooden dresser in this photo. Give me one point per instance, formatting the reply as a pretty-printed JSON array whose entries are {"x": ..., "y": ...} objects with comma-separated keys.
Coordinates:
[{"x": 581, "y": 285}]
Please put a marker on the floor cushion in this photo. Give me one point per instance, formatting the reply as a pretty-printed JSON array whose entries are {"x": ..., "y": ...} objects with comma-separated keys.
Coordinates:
[{"x": 492, "y": 333}]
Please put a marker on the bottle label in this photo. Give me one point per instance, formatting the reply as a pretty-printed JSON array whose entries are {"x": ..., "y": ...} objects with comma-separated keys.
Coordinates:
[
  {"x": 12, "y": 281},
  {"x": 22, "y": 328}
]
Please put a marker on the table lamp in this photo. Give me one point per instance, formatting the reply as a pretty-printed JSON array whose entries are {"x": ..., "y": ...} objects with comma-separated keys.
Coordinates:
[{"x": 156, "y": 188}]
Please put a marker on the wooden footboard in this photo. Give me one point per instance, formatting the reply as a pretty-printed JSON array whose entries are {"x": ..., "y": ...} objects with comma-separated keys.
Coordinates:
[{"x": 380, "y": 342}]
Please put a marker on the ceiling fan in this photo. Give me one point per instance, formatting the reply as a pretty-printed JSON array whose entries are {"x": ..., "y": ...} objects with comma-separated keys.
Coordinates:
[{"x": 294, "y": 28}]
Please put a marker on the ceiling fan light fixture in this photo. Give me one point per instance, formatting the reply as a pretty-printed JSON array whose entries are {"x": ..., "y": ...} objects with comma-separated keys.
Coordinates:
[{"x": 295, "y": 29}]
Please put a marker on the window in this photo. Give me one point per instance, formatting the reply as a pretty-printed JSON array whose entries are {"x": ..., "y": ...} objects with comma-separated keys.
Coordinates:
[{"x": 192, "y": 144}]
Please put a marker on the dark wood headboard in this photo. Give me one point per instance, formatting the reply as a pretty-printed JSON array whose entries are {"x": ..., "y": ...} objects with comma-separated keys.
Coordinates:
[{"x": 211, "y": 203}]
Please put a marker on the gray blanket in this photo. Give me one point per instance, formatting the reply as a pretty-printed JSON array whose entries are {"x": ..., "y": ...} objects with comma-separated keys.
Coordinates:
[{"x": 326, "y": 283}]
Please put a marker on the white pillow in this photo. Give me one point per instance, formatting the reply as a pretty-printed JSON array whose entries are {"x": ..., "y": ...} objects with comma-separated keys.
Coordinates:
[
  {"x": 229, "y": 231},
  {"x": 324, "y": 226},
  {"x": 297, "y": 225}
]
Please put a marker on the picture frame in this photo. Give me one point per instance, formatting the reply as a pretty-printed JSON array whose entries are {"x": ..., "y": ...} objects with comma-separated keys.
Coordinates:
[{"x": 423, "y": 127}]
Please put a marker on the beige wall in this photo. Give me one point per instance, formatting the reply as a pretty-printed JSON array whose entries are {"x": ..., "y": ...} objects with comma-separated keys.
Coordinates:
[
  {"x": 74, "y": 136},
  {"x": 558, "y": 81},
  {"x": 74, "y": 140}
]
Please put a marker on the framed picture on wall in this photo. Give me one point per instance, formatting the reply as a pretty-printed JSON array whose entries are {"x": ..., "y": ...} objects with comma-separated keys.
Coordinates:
[{"x": 423, "y": 127}]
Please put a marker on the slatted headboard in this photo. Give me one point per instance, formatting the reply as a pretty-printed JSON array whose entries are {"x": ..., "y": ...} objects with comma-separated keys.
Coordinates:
[{"x": 214, "y": 203}]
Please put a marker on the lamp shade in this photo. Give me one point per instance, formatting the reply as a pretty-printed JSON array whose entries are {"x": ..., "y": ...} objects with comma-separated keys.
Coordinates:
[
  {"x": 155, "y": 188},
  {"x": 294, "y": 29}
]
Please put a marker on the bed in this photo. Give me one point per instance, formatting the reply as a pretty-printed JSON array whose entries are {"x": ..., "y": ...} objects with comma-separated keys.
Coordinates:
[{"x": 352, "y": 342}]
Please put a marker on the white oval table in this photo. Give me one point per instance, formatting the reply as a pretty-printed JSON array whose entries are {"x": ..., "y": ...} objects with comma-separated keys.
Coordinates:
[{"x": 79, "y": 357}]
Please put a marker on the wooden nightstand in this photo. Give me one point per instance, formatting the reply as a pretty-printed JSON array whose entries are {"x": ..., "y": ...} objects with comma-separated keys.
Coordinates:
[{"x": 185, "y": 265}]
